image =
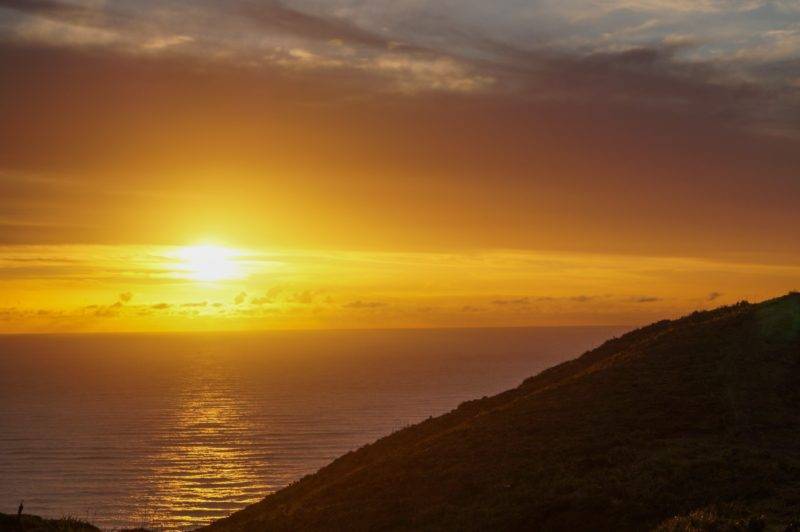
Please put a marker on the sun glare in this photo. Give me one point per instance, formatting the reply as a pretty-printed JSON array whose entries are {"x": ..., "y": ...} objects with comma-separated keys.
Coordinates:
[{"x": 209, "y": 263}]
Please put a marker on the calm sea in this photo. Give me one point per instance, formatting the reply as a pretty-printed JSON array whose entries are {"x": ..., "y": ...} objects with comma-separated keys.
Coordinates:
[{"x": 173, "y": 431}]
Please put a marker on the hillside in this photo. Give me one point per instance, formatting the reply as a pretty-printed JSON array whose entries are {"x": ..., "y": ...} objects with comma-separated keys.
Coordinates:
[
  {"x": 34, "y": 523},
  {"x": 697, "y": 417}
]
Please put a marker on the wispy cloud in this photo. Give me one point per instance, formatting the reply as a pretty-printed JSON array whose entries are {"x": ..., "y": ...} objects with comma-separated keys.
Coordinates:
[
  {"x": 520, "y": 301},
  {"x": 418, "y": 46},
  {"x": 364, "y": 305},
  {"x": 646, "y": 299}
]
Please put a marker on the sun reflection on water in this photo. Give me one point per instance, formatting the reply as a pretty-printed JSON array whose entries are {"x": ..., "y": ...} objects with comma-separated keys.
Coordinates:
[{"x": 206, "y": 468}]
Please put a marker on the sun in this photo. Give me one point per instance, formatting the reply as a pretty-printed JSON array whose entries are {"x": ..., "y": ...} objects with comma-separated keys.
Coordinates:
[{"x": 209, "y": 263}]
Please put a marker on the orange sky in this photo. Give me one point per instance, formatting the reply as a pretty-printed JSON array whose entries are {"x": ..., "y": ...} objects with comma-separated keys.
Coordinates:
[{"x": 366, "y": 174}]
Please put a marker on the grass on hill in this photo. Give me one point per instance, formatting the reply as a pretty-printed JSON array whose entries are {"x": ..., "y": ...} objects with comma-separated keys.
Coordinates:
[{"x": 33, "y": 523}]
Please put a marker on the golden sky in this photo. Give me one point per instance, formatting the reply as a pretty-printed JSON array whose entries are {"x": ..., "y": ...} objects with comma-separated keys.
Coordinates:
[
  {"x": 393, "y": 164},
  {"x": 66, "y": 288}
]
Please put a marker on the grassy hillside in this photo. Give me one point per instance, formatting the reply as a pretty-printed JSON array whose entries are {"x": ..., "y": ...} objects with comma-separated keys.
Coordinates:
[
  {"x": 697, "y": 418},
  {"x": 33, "y": 523}
]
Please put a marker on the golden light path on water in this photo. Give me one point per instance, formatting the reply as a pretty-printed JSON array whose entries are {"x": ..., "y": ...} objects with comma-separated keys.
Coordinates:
[{"x": 209, "y": 465}]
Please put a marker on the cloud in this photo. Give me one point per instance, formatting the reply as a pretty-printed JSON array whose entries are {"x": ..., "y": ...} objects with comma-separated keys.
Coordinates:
[
  {"x": 159, "y": 43},
  {"x": 279, "y": 17},
  {"x": 430, "y": 73},
  {"x": 646, "y": 299},
  {"x": 512, "y": 302},
  {"x": 362, "y": 305},
  {"x": 197, "y": 304},
  {"x": 439, "y": 51},
  {"x": 107, "y": 311},
  {"x": 305, "y": 297},
  {"x": 245, "y": 30},
  {"x": 53, "y": 32},
  {"x": 269, "y": 297},
  {"x": 160, "y": 306},
  {"x": 240, "y": 298},
  {"x": 75, "y": 14},
  {"x": 713, "y": 296}
]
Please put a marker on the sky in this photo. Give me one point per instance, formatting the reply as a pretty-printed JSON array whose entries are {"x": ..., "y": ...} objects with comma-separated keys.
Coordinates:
[{"x": 256, "y": 164}]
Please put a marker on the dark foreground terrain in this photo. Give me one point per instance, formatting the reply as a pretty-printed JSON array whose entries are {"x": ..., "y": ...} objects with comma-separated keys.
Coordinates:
[
  {"x": 691, "y": 424},
  {"x": 34, "y": 523}
]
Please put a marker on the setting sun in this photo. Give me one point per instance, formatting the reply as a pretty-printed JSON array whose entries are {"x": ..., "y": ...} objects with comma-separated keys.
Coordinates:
[{"x": 209, "y": 263}]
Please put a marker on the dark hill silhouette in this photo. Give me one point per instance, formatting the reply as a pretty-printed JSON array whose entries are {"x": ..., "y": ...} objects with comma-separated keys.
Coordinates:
[
  {"x": 697, "y": 418},
  {"x": 32, "y": 523}
]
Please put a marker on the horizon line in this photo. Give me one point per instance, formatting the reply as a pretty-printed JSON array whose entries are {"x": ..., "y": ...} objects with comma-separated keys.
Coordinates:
[{"x": 322, "y": 329}]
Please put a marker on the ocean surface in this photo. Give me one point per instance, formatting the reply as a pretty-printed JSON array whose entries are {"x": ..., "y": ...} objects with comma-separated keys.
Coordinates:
[{"x": 171, "y": 431}]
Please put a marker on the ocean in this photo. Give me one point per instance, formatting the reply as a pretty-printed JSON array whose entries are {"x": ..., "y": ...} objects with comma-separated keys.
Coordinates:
[{"x": 172, "y": 431}]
